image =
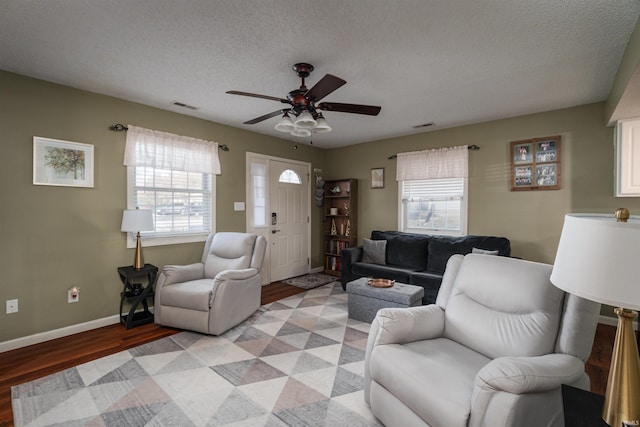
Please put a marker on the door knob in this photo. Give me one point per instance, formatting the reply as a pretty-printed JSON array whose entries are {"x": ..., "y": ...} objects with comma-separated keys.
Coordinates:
[{"x": 275, "y": 231}]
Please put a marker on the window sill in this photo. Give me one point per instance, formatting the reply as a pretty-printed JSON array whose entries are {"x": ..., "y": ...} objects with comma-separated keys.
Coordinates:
[{"x": 147, "y": 241}]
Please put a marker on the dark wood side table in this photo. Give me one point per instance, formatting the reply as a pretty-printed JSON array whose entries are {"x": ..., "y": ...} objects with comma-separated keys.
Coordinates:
[
  {"x": 582, "y": 408},
  {"x": 136, "y": 292}
]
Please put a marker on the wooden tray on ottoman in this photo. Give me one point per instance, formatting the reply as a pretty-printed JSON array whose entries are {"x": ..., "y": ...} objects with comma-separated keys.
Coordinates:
[{"x": 381, "y": 283}]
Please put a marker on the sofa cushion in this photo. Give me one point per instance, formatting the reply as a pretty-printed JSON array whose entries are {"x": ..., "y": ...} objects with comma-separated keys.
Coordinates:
[
  {"x": 394, "y": 272},
  {"x": 489, "y": 243},
  {"x": 229, "y": 251},
  {"x": 374, "y": 251},
  {"x": 510, "y": 318},
  {"x": 484, "y": 251},
  {"x": 405, "y": 249},
  {"x": 193, "y": 295},
  {"x": 429, "y": 281},
  {"x": 410, "y": 376},
  {"x": 442, "y": 247}
]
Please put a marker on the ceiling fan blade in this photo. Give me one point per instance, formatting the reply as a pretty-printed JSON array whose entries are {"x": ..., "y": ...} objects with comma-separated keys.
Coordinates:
[
  {"x": 256, "y": 95},
  {"x": 265, "y": 117},
  {"x": 324, "y": 87},
  {"x": 370, "y": 110}
]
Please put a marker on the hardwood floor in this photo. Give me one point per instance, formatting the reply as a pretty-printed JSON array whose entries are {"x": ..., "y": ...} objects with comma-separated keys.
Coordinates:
[{"x": 35, "y": 361}]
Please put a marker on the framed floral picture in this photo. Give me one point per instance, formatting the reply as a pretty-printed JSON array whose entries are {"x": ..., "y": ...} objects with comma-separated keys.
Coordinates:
[
  {"x": 535, "y": 164},
  {"x": 62, "y": 163},
  {"x": 377, "y": 178}
]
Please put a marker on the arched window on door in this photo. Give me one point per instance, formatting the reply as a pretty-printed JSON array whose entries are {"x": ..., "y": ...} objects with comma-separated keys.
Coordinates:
[{"x": 289, "y": 176}]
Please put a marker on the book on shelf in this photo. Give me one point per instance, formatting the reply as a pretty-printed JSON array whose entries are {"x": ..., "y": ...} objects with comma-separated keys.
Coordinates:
[
  {"x": 332, "y": 263},
  {"x": 336, "y": 246}
]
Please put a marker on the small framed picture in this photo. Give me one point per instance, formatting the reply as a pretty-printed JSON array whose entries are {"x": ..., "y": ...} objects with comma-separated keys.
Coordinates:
[
  {"x": 523, "y": 153},
  {"x": 62, "y": 163},
  {"x": 377, "y": 178}
]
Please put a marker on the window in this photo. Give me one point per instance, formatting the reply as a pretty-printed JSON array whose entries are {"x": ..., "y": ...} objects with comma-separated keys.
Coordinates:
[
  {"x": 290, "y": 177},
  {"x": 259, "y": 196},
  {"x": 433, "y": 206},
  {"x": 432, "y": 188},
  {"x": 174, "y": 177}
]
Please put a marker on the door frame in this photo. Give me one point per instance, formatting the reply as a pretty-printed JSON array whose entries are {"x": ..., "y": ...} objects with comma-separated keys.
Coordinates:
[{"x": 265, "y": 231}]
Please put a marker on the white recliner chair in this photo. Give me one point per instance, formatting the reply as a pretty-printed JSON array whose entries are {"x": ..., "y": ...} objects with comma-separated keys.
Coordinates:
[
  {"x": 492, "y": 351},
  {"x": 217, "y": 293}
]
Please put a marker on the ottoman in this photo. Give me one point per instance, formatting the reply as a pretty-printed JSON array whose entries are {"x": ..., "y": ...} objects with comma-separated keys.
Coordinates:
[{"x": 365, "y": 300}]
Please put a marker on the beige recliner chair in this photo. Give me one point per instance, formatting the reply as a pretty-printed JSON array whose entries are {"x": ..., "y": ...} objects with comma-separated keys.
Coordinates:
[
  {"x": 492, "y": 351},
  {"x": 217, "y": 293}
]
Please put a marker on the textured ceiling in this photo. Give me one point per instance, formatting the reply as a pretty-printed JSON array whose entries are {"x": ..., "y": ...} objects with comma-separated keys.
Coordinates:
[{"x": 448, "y": 62}]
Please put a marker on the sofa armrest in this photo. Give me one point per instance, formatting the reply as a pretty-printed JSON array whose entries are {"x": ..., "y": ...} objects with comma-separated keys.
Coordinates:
[
  {"x": 231, "y": 275},
  {"x": 182, "y": 273},
  {"x": 400, "y": 325},
  {"x": 520, "y": 375},
  {"x": 348, "y": 257},
  {"x": 519, "y": 385}
]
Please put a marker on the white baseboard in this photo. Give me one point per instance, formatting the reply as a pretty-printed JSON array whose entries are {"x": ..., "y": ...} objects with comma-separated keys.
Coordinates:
[
  {"x": 111, "y": 320},
  {"x": 58, "y": 333},
  {"x": 317, "y": 270},
  {"x": 613, "y": 321}
]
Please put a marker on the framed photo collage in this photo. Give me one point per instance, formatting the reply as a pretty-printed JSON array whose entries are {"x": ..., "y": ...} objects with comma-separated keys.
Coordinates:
[{"x": 535, "y": 164}]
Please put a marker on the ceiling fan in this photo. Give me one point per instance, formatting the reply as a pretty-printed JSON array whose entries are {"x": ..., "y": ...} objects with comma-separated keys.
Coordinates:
[{"x": 303, "y": 104}]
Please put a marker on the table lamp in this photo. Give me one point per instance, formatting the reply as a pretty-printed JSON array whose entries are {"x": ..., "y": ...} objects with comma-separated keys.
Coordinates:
[
  {"x": 135, "y": 221},
  {"x": 598, "y": 260}
]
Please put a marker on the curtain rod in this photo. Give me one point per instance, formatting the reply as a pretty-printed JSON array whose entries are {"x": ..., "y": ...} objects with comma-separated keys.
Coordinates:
[
  {"x": 119, "y": 127},
  {"x": 470, "y": 147}
]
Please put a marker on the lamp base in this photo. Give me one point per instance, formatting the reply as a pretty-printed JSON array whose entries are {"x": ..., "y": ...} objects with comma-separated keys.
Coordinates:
[
  {"x": 622, "y": 398},
  {"x": 138, "y": 261}
]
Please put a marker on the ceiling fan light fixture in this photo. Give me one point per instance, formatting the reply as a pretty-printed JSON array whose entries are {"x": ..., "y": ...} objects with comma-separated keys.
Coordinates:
[
  {"x": 305, "y": 120},
  {"x": 301, "y": 132},
  {"x": 321, "y": 125},
  {"x": 285, "y": 124}
]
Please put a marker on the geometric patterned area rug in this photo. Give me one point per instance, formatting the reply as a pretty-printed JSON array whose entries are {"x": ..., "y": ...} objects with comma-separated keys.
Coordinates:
[
  {"x": 298, "y": 361},
  {"x": 310, "y": 281}
]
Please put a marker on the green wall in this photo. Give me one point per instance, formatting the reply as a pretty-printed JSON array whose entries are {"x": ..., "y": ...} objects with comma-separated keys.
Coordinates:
[
  {"x": 532, "y": 220},
  {"x": 52, "y": 238}
]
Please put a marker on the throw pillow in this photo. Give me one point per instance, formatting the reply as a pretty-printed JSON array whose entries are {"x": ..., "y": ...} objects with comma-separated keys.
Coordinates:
[
  {"x": 484, "y": 251},
  {"x": 374, "y": 251}
]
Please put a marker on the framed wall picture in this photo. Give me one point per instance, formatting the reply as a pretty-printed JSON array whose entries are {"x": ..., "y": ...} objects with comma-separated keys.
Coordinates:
[
  {"x": 62, "y": 163},
  {"x": 377, "y": 178},
  {"x": 535, "y": 164}
]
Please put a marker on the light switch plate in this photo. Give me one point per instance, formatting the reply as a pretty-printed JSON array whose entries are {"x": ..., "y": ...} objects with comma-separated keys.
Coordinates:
[{"x": 238, "y": 206}]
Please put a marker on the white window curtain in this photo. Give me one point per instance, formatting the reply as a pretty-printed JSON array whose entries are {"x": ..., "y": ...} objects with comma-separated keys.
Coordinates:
[
  {"x": 162, "y": 150},
  {"x": 433, "y": 164}
]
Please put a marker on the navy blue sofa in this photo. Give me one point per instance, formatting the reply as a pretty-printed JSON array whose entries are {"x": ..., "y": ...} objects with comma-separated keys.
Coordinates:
[{"x": 416, "y": 259}]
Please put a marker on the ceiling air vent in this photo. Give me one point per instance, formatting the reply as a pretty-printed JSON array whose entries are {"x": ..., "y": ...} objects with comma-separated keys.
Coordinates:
[{"x": 183, "y": 105}]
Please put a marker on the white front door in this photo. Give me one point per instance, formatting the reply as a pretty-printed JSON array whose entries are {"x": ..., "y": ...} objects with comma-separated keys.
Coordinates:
[
  {"x": 280, "y": 186},
  {"x": 289, "y": 219}
]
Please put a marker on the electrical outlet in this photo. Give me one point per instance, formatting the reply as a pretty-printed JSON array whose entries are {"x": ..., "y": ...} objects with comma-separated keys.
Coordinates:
[
  {"x": 73, "y": 294},
  {"x": 12, "y": 306}
]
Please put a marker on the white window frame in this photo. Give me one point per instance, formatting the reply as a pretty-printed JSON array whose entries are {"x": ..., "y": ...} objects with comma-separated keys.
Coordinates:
[
  {"x": 464, "y": 207},
  {"x": 150, "y": 238}
]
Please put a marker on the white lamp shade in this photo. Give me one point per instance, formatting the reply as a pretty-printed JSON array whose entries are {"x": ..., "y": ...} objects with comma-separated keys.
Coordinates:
[
  {"x": 305, "y": 120},
  {"x": 285, "y": 124},
  {"x": 597, "y": 259},
  {"x": 301, "y": 132},
  {"x": 134, "y": 220},
  {"x": 322, "y": 126}
]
